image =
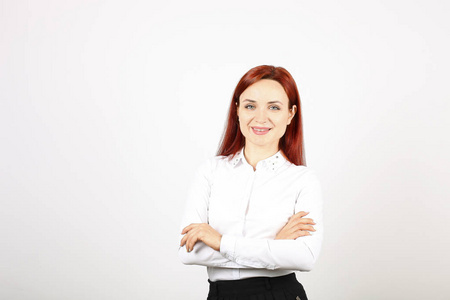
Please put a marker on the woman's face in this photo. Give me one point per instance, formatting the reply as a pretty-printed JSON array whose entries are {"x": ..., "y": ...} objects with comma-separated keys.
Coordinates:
[{"x": 263, "y": 112}]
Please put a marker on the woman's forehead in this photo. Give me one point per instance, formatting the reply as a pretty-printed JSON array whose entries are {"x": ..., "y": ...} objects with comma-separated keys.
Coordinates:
[{"x": 265, "y": 90}]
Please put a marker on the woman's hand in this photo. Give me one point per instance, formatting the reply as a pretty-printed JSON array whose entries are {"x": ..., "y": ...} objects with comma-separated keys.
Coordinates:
[
  {"x": 297, "y": 226},
  {"x": 200, "y": 232}
]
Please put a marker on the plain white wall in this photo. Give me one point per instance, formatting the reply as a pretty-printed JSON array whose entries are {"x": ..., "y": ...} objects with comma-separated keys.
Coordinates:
[{"x": 107, "y": 106}]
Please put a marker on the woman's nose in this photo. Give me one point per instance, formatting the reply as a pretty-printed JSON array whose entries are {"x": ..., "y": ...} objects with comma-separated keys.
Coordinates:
[{"x": 261, "y": 116}]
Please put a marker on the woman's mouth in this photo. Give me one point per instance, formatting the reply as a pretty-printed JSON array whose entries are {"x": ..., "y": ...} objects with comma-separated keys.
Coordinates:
[{"x": 260, "y": 130}]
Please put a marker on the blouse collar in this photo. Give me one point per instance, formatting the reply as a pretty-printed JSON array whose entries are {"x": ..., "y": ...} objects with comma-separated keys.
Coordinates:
[{"x": 271, "y": 163}]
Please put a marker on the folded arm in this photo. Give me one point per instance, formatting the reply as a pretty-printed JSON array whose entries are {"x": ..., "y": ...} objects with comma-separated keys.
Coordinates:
[
  {"x": 196, "y": 211},
  {"x": 300, "y": 254},
  {"x": 240, "y": 252}
]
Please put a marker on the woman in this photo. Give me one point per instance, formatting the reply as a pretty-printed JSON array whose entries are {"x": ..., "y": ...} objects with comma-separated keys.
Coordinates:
[{"x": 250, "y": 210}]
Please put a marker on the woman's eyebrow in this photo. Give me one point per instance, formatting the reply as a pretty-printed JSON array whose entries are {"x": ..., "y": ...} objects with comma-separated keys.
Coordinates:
[{"x": 253, "y": 101}]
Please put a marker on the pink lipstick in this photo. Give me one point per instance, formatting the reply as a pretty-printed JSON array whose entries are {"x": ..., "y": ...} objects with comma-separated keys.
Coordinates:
[{"x": 260, "y": 130}]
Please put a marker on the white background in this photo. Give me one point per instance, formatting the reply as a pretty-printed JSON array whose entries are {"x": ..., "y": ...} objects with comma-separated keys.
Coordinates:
[{"x": 107, "y": 106}]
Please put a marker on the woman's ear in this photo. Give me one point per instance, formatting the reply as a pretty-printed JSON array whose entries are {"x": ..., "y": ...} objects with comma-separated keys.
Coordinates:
[{"x": 292, "y": 112}]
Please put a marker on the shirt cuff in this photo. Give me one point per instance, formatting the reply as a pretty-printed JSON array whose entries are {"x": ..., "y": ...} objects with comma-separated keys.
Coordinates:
[{"x": 227, "y": 246}]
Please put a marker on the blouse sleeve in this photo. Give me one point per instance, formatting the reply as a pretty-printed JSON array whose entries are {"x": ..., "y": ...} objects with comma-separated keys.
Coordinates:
[
  {"x": 196, "y": 211},
  {"x": 300, "y": 254}
]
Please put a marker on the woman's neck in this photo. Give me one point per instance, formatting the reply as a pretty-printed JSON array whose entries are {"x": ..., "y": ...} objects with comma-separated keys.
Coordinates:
[{"x": 255, "y": 154}]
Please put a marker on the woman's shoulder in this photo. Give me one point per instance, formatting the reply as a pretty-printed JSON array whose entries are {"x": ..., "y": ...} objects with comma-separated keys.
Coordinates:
[
  {"x": 304, "y": 172},
  {"x": 211, "y": 163}
]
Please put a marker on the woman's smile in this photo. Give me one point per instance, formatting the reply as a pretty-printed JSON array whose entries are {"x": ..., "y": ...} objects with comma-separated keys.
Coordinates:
[{"x": 260, "y": 130}]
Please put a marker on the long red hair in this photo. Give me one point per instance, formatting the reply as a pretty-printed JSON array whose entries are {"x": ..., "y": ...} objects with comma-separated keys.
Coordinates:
[{"x": 291, "y": 143}]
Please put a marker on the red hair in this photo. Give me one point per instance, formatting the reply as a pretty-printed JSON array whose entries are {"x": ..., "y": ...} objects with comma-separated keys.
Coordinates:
[{"x": 291, "y": 143}]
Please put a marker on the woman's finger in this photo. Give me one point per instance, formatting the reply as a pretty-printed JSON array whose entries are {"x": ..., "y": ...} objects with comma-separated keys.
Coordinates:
[
  {"x": 301, "y": 214},
  {"x": 300, "y": 233},
  {"x": 186, "y": 237},
  {"x": 183, "y": 240},
  {"x": 305, "y": 227},
  {"x": 189, "y": 227},
  {"x": 292, "y": 223},
  {"x": 298, "y": 215},
  {"x": 306, "y": 221},
  {"x": 192, "y": 241},
  {"x": 185, "y": 229},
  {"x": 189, "y": 241}
]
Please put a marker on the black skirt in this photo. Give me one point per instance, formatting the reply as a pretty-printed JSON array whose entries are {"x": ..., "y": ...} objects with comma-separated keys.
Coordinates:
[{"x": 258, "y": 288}]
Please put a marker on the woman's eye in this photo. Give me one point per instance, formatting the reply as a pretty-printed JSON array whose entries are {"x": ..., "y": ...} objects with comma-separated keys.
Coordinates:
[{"x": 249, "y": 106}]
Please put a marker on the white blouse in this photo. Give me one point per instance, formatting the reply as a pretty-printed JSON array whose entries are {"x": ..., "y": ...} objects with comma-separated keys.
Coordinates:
[{"x": 248, "y": 208}]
